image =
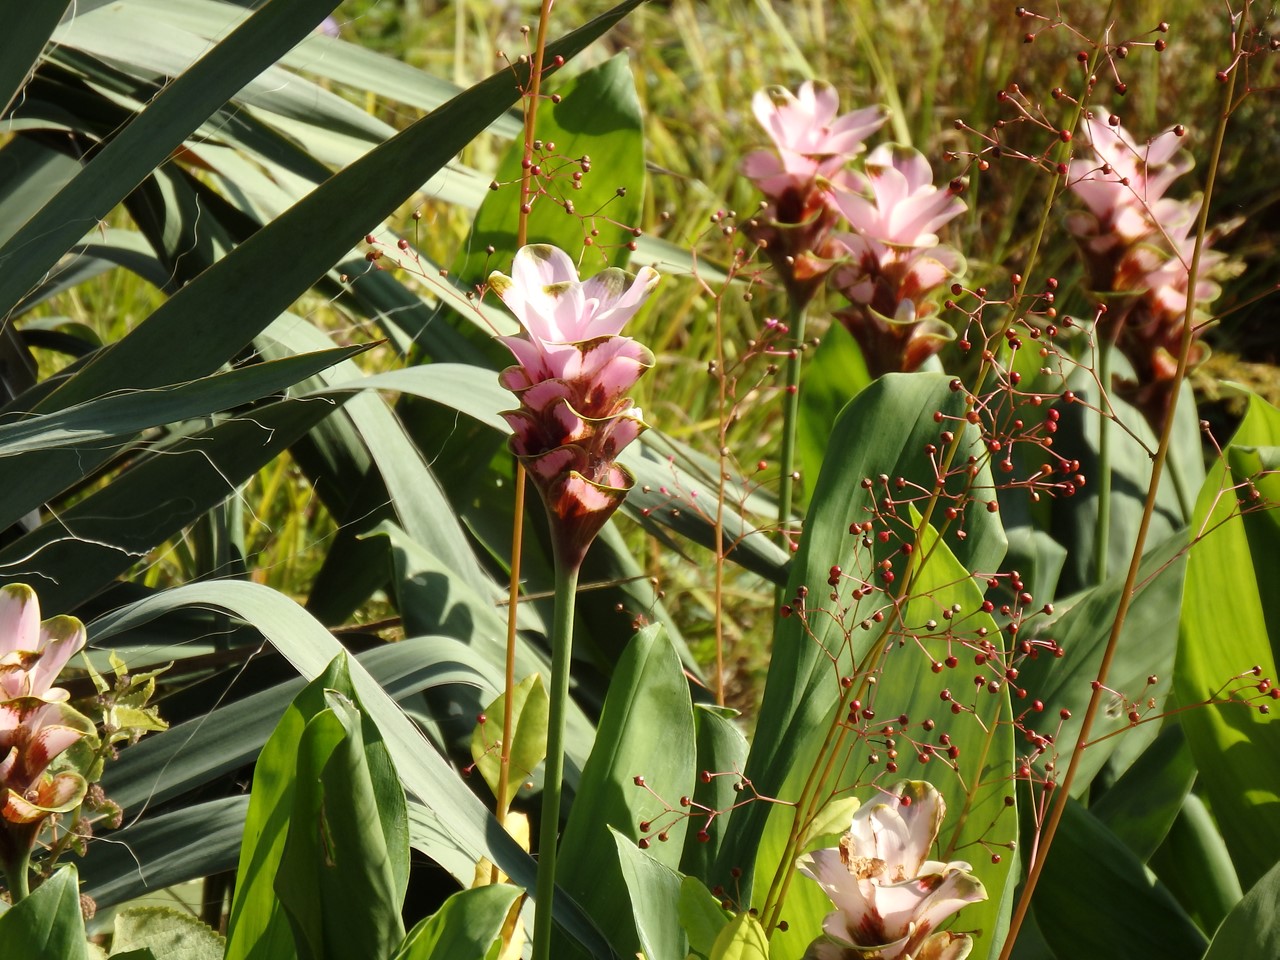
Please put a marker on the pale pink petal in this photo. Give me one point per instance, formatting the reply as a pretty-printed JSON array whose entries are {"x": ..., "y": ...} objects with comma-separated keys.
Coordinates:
[
  {"x": 19, "y": 618},
  {"x": 60, "y": 638}
]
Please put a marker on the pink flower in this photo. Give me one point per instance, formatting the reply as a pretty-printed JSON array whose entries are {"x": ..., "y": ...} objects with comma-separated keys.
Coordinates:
[
  {"x": 889, "y": 896},
  {"x": 572, "y": 375},
  {"x": 811, "y": 140},
  {"x": 894, "y": 261},
  {"x": 36, "y": 723},
  {"x": 904, "y": 208},
  {"x": 1123, "y": 180},
  {"x": 33, "y": 652},
  {"x": 813, "y": 145}
]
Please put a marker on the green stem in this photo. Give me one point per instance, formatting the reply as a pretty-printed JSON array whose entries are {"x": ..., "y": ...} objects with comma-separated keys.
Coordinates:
[
  {"x": 790, "y": 413},
  {"x": 561, "y": 649},
  {"x": 1102, "y": 532},
  {"x": 15, "y": 865}
]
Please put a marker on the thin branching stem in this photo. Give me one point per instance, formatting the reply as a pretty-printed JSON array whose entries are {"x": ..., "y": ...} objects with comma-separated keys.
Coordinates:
[{"x": 797, "y": 312}]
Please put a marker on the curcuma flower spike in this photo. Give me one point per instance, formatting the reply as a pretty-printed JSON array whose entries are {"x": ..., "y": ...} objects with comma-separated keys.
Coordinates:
[
  {"x": 889, "y": 896},
  {"x": 894, "y": 260},
  {"x": 812, "y": 147},
  {"x": 572, "y": 376},
  {"x": 37, "y": 725}
]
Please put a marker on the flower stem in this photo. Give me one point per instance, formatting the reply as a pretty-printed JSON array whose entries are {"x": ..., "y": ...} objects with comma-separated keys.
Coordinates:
[
  {"x": 561, "y": 649},
  {"x": 1063, "y": 791},
  {"x": 790, "y": 413},
  {"x": 15, "y": 859}
]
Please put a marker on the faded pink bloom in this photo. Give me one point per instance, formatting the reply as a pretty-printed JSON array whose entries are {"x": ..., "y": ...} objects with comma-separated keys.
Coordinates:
[
  {"x": 812, "y": 147},
  {"x": 889, "y": 896},
  {"x": 572, "y": 377},
  {"x": 893, "y": 260},
  {"x": 33, "y": 734},
  {"x": 33, "y": 652}
]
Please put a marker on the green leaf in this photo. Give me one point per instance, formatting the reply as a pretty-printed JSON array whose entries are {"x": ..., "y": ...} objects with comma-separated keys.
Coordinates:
[
  {"x": 722, "y": 747},
  {"x": 167, "y": 933},
  {"x": 646, "y": 730},
  {"x": 1252, "y": 930},
  {"x": 1091, "y": 874},
  {"x": 29, "y": 29},
  {"x": 359, "y": 799},
  {"x": 336, "y": 881},
  {"x": 1230, "y": 623},
  {"x": 48, "y": 923},
  {"x": 701, "y": 916},
  {"x": 833, "y": 375},
  {"x": 528, "y": 737},
  {"x": 598, "y": 116},
  {"x": 99, "y": 421},
  {"x": 464, "y": 928},
  {"x": 104, "y": 534},
  {"x": 124, "y": 161},
  {"x": 883, "y": 431},
  {"x": 1142, "y": 805},
  {"x": 1147, "y": 647},
  {"x": 1194, "y": 864},
  {"x": 742, "y": 939},
  {"x": 464, "y": 828},
  {"x": 654, "y": 891}
]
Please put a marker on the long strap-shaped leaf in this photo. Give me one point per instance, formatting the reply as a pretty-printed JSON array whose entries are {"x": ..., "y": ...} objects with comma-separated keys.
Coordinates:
[
  {"x": 203, "y": 325},
  {"x": 27, "y": 29},
  {"x": 144, "y": 144}
]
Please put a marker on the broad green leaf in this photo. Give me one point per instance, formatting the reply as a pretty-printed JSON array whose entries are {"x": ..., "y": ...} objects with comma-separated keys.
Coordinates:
[
  {"x": 258, "y": 926},
  {"x": 1091, "y": 874},
  {"x": 47, "y": 923},
  {"x": 654, "y": 891},
  {"x": 722, "y": 749},
  {"x": 1252, "y": 930},
  {"x": 356, "y": 795},
  {"x": 598, "y": 116},
  {"x": 834, "y": 374},
  {"x": 1141, "y": 806},
  {"x": 742, "y": 939},
  {"x": 646, "y": 730},
  {"x": 1230, "y": 622},
  {"x": 465, "y": 828},
  {"x": 336, "y": 881},
  {"x": 167, "y": 933},
  {"x": 702, "y": 918},
  {"x": 1074, "y": 520},
  {"x": 1194, "y": 864},
  {"x": 1146, "y": 648},
  {"x": 464, "y": 928},
  {"x": 975, "y": 787},
  {"x": 527, "y": 738},
  {"x": 884, "y": 431}
]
